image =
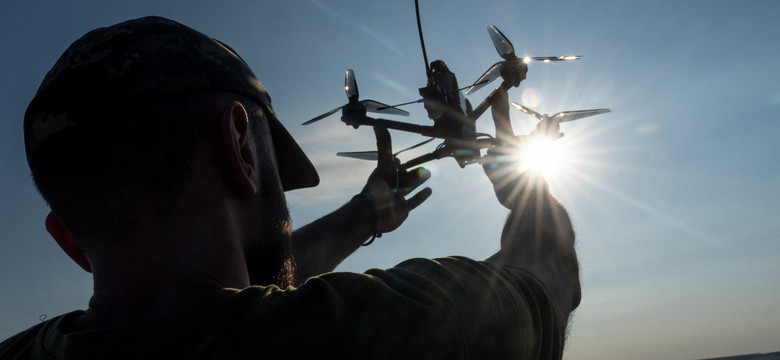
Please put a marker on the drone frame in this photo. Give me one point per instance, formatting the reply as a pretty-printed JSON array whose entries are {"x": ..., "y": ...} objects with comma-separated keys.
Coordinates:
[{"x": 466, "y": 147}]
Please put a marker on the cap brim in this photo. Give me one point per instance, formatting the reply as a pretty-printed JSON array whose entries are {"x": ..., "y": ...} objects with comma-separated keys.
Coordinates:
[{"x": 295, "y": 169}]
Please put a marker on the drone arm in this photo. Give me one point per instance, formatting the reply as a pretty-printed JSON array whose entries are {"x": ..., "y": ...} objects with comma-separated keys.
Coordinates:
[
  {"x": 499, "y": 98},
  {"x": 392, "y": 124},
  {"x": 446, "y": 151},
  {"x": 435, "y": 155},
  {"x": 485, "y": 104}
]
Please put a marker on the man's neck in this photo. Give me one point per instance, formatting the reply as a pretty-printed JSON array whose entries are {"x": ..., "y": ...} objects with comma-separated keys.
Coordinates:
[
  {"x": 128, "y": 305},
  {"x": 153, "y": 269}
]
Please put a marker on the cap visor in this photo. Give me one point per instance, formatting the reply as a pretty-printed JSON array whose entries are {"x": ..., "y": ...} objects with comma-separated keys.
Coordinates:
[{"x": 295, "y": 169}]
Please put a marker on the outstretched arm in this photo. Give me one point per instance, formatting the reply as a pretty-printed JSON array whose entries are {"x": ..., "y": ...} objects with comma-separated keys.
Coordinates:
[
  {"x": 324, "y": 243},
  {"x": 380, "y": 207},
  {"x": 538, "y": 235}
]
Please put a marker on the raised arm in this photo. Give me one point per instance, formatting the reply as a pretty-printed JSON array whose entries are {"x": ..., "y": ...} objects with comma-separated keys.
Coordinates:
[
  {"x": 538, "y": 234},
  {"x": 380, "y": 207}
]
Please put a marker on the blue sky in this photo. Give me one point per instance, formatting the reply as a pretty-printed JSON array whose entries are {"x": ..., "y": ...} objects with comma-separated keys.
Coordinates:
[{"x": 675, "y": 195}]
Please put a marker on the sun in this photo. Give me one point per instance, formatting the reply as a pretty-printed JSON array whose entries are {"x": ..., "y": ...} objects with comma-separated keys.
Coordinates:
[{"x": 544, "y": 155}]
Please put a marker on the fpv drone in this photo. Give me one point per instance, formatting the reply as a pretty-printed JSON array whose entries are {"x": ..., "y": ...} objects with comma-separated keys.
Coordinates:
[{"x": 453, "y": 116}]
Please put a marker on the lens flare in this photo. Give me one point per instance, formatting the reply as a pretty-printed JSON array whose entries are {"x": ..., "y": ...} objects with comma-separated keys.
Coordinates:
[
  {"x": 531, "y": 97},
  {"x": 542, "y": 154}
]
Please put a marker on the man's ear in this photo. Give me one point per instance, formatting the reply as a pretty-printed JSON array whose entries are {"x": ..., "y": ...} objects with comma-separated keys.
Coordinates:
[
  {"x": 239, "y": 148},
  {"x": 67, "y": 242}
]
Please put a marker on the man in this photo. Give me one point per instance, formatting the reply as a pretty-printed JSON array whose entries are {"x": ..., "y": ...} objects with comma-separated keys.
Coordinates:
[{"x": 165, "y": 168}]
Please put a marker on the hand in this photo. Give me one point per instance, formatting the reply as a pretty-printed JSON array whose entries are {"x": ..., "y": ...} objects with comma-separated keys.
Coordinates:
[
  {"x": 387, "y": 188},
  {"x": 513, "y": 73},
  {"x": 549, "y": 128},
  {"x": 512, "y": 187}
]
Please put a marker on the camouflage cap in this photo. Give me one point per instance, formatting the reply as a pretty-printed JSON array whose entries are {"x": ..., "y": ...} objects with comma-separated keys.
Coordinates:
[{"x": 146, "y": 59}]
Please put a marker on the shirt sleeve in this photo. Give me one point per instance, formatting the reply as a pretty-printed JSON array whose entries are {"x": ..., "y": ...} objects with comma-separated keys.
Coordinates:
[
  {"x": 447, "y": 308},
  {"x": 453, "y": 308}
]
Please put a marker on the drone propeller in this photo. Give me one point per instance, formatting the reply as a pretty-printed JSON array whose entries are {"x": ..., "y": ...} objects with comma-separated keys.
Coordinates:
[
  {"x": 562, "y": 116},
  {"x": 373, "y": 155},
  {"x": 507, "y": 52},
  {"x": 362, "y": 155},
  {"x": 502, "y": 44},
  {"x": 350, "y": 87},
  {"x": 492, "y": 73}
]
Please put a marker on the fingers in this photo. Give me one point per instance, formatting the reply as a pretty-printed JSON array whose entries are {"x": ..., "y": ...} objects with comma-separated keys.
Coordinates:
[
  {"x": 418, "y": 198},
  {"x": 412, "y": 179},
  {"x": 550, "y": 128},
  {"x": 500, "y": 164},
  {"x": 498, "y": 158},
  {"x": 384, "y": 149}
]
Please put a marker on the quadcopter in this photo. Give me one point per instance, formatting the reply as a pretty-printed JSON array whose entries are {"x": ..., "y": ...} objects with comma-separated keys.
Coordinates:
[{"x": 453, "y": 116}]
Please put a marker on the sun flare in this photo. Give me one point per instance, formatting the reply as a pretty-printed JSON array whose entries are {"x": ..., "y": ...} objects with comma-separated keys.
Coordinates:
[{"x": 544, "y": 155}]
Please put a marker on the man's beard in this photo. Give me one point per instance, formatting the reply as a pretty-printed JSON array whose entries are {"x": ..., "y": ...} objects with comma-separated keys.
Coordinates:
[{"x": 270, "y": 261}]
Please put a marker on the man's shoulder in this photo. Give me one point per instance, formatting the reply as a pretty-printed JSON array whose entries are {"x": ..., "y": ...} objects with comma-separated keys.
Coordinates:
[{"x": 22, "y": 345}]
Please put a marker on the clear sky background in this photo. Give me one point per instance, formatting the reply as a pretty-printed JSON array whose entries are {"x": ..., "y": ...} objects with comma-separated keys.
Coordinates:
[{"x": 675, "y": 195}]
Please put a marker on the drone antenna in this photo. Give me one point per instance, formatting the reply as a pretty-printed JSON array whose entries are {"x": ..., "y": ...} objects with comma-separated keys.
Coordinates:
[{"x": 422, "y": 41}]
